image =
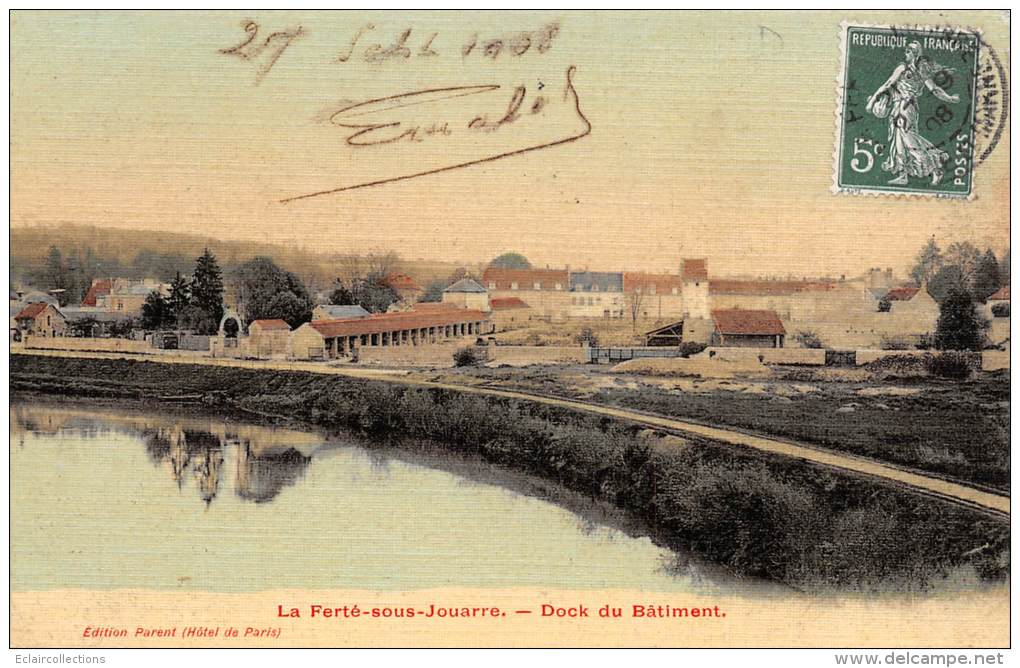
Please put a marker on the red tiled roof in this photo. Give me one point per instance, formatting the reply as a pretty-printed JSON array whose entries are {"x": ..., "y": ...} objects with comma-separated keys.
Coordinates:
[
  {"x": 738, "y": 287},
  {"x": 506, "y": 303},
  {"x": 901, "y": 294},
  {"x": 695, "y": 270},
  {"x": 401, "y": 282},
  {"x": 664, "y": 283},
  {"x": 1001, "y": 294},
  {"x": 98, "y": 288},
  {"x": 273, "y": 324},
  {"x": 748, "y": 322},
  {"x": 32, "y": 310},
  {"x": 391, "y": 322},
  {"x": 526, "y": 278}
]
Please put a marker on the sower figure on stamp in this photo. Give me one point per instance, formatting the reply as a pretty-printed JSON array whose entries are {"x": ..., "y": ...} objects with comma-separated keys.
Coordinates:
[{"x": 910, "y": 154}]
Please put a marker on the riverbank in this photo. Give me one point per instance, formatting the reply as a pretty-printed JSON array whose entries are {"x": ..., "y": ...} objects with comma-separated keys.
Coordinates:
[
  {"x": 419, "y": 499},
  {"x": 754, "y": 513},
  {"x": 953, "y": 429}
]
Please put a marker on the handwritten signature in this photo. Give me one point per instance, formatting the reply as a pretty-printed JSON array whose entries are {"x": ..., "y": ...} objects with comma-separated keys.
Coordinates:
[{"x": 366, "y": 132}]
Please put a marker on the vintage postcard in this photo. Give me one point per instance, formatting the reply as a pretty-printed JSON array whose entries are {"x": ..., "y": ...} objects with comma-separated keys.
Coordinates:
[{"x": 546, "y": 329}]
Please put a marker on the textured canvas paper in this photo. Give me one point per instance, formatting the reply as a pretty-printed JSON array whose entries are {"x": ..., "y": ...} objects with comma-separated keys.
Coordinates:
[{"x": 509, "y": 329}]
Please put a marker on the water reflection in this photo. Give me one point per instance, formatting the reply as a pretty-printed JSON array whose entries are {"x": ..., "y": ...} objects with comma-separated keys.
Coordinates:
[
  {"x": 167, "y": 501},
  {"x": 199, "y": 455},
  {"x": 260, "y": 478}
]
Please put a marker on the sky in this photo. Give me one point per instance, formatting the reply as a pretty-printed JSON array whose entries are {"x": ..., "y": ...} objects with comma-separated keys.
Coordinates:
[{"x": 690, "y": 135}]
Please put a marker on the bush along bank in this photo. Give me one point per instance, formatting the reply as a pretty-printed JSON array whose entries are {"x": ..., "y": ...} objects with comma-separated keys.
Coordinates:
[{"x": 756, "y": 514}]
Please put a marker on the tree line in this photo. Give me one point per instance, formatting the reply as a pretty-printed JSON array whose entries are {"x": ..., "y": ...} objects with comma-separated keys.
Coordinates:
[
  {"x": 69, "y": 276},
  {"x": 961, "y": 267},
  {"x": 195, "y": 304},
  {"x": 957, "y": 279}
]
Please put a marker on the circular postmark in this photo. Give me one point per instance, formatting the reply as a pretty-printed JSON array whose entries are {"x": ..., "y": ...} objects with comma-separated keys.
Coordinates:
[{"x": 991, "y": 102}]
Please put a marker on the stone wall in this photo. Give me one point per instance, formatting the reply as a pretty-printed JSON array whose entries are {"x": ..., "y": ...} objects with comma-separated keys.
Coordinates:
[
  {"x": 810, "y": 356},
  {"x": 101, "y": 345},
  {"x": 521, "y": 355},
  {"x": 437, "y": 355}
]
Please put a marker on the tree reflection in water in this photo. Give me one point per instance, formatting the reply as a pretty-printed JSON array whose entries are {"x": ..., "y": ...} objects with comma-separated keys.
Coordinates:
[{"x": 200, "y": 455}]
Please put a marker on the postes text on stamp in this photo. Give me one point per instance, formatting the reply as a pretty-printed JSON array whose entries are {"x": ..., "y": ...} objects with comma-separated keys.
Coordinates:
[{"x": 905, "y": 115}]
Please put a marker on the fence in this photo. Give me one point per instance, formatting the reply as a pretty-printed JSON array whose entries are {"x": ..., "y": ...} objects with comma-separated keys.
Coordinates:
[{"x": 613, "y": 355}]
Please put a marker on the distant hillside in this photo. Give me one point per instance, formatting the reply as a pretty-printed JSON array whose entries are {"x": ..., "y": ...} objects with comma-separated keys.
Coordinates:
[{"x": 142, "y": 253}]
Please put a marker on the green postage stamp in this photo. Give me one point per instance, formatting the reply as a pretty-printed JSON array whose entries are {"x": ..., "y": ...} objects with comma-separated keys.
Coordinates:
[{"x": 906, "y": 109}]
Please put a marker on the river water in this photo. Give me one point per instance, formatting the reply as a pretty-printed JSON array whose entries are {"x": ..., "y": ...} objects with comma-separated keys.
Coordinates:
[{"x": 104, "y": 498}]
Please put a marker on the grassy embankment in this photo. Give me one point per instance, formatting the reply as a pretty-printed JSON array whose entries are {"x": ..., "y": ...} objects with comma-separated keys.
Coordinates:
[
  {"x": 756, "y": 514},
  {"x": 954, "y": 429}
]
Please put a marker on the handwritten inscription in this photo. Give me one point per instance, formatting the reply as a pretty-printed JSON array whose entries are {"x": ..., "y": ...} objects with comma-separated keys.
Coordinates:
[
  {"x": 264, "y": 52},
  {"x": 402, "y": 48},
  {"x": 418, "y": 116},
  {"x": 430, "y": 114},
  {"x": 406, "y": 44},
  {"x": 513, "y": 45},
  {"x": 368, "y": 133}
]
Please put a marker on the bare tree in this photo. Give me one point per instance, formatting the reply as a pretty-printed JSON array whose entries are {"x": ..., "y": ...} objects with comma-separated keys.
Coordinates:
[
  {"x": 634, "y": 300},
  {"x": 381, "y": 264},
  {"x": 351, "y": 269}
]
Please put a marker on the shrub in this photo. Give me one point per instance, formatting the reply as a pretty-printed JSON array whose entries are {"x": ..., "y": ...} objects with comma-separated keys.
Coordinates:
[
  {"x": 884, "y": 305},
  {"x": 688, "y": 348},
  {"x": 899, "y": 366},
  {"x": 954, "y": 365},
  {"x": 1000, "y": 310},
  {"x": 122, "y": 329},
  {"x": 587, "y": 336},
  {"x": 466, "y": 357},
  {"x": 959, "y": 327},
  {"x": 808, "y": 339},
  {"x": 739, "y": 516}
]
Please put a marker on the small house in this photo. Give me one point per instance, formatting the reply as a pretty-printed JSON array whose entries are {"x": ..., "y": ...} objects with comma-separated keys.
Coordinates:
[
  {"x": 100, "y": 288},
  {"x": 404, "y": 286},
  {"x": 998, "y": 303},
  {"x": 915, "y": 310},
  {"x": 40, "y": 319},
  {"x": 269, "y": 338},
  {"x": 467, "y": 293},
  {"x": 509, "y": 313},
  {"x": 740, "y": 328}
]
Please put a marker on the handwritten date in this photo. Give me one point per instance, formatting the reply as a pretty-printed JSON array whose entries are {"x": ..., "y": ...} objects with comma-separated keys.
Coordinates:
[
  {"x": 264, "y": 52},
  {"x": 405, "y": 45}
]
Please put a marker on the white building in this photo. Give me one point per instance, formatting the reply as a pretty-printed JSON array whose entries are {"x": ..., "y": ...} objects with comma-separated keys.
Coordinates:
[{"x": 467, "y": 293}]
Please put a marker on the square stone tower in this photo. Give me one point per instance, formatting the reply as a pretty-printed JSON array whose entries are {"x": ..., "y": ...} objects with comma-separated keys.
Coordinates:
[{"x": 694, "y": 273}]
